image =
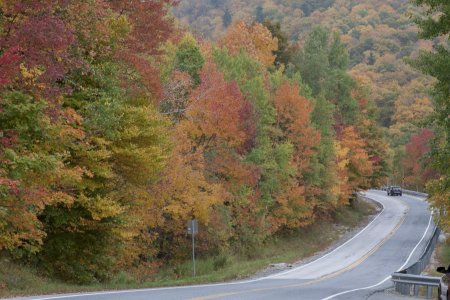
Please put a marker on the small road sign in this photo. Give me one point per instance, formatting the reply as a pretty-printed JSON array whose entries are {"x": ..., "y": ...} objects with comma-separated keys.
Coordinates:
[{"x": 192, "y": 229}]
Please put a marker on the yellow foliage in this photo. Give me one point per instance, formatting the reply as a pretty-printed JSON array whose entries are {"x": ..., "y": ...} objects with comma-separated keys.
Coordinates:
[
  {"x": 439, "y": 199},
  {"x": 101, "y": 207},
  {"x": 342, "y": 188},
  {"x": 30, "y": 75}
]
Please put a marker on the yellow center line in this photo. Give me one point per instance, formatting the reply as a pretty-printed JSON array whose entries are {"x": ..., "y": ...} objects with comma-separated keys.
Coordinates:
[{"x": 331, "y": 275}]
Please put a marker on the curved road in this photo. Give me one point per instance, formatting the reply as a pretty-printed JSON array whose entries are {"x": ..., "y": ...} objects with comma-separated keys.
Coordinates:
[{"x": 354, "y": 270}]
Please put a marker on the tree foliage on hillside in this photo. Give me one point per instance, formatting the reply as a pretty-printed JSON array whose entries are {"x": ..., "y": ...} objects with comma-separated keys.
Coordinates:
[
  {"x": 436, "y": 63},
  {"x": 378, "y": 35},
  {"x": 117, "y": 128}
]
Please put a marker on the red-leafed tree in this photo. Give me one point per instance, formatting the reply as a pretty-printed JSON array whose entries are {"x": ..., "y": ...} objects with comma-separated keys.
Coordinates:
[
  {"x": 43, "y": 38},
  {"x": 9, "y": 65},
  {"x": 150, "y": 27},
  {"x": 416, "y": 162}
]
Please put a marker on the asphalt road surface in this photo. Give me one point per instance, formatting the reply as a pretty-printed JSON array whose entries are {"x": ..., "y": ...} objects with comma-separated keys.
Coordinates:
[{"x": 355, "y": 270}]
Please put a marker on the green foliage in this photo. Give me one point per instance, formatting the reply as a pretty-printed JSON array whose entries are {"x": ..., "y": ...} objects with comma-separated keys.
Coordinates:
[
  {"x": 188, "y": 58},
  {"x": 437, "y": 64},
  {"x": 337, "y": 54},
  {"x": 26, "y": 116},
  {"x": 272, "y": 158},
  {"x": 312, "y": 60},
  {"x": 126, "y": 151},
  {"x": 322, "y": 118},
  {"x": 322, "y": 173},
  {"x": 432, "y": 27},
  {"x": 86, "y": 257},
  {"x": 33, "y": 172},
  {"x": 322, "y": 64},
  {"x": 284, "y": 51}
]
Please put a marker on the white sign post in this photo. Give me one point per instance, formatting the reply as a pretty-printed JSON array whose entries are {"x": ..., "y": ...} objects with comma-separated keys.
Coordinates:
[{"x": 192, "y": 229}]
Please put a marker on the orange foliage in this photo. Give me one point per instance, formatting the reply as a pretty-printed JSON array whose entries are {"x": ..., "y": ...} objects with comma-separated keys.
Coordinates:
[
  {"x": 293, "y": 210},
  {"x": 293, "y": 118},
  {"x": 183, "y": 191},
  {"x": 360, "y": 167},
  {"x": 219, "y": 113},
  {"x": 295, "y": 204},
  {"x": 256, "y": 40},
  {"x": 231, "y": 171}
]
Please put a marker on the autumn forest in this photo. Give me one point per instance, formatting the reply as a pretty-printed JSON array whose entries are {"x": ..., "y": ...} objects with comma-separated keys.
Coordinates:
[{"x": 122, "y": 120}]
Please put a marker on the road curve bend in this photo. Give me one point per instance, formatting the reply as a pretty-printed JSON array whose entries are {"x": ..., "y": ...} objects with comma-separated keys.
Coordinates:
[{"x": 394, "y": 239}]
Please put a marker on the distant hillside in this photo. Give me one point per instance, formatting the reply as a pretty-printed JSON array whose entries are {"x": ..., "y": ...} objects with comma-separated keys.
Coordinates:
[{"x": 379, "y": 34}]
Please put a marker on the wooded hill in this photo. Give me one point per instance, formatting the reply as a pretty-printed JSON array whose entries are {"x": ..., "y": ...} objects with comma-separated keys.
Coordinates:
[{"x": 378, "y": 34}]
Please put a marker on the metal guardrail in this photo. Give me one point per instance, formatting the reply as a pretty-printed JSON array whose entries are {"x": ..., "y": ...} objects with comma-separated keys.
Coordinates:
[
  {"x": 408, "y": 281},
  {"x": 415, "y": 193},
  {"x": 407, "y": 284},
  {"x": 422, "y": 263}
]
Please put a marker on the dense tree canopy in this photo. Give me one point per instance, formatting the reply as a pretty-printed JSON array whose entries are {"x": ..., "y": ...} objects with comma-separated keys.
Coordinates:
[{"x": 117, "y": 126}]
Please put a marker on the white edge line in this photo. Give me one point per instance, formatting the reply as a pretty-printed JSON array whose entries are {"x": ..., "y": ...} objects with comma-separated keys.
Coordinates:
[
  {"x": 208, "y": 285},
  {"x": 413, "y": 250},
  {"x": 354, "y": 290},
  {"x": 331, "y": 252},
  {"x": 384, "y": 280}
]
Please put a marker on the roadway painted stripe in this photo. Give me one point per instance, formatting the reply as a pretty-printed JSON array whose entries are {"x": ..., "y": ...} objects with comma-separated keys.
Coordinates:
[
  {"x": 387, "y": 278},
  {"x": 331, "y": 252},
  {"x": 328, "y": 276}
]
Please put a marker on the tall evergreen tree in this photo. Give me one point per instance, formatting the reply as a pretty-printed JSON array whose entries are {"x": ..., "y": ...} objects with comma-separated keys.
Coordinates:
[
  {"x": 188, "y": 58},
  {"x": 284, "y": 51},
  {"x": 227, "y": 18},
  {"x": 323, "y": 66},
  {"x": 259, "y": 14}
]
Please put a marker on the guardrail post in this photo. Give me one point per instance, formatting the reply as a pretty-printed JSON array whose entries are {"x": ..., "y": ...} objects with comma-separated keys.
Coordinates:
[
  {"x": 406, "y": 289},
  {"x": 409, "y": 284},
  {"x": 416, "y": 289},
  {"x": 429, "y": 292},
  {"x": 401, "y": 288}
]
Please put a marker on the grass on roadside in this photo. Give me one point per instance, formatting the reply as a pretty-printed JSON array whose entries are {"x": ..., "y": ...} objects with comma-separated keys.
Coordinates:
[
  {"x": 22, "y": 280},
  {"x": 444, "y": 254}
]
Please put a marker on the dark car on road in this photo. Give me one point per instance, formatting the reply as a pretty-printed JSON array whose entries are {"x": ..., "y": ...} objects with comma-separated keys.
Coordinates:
[{"x": 394, "y": 191}]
